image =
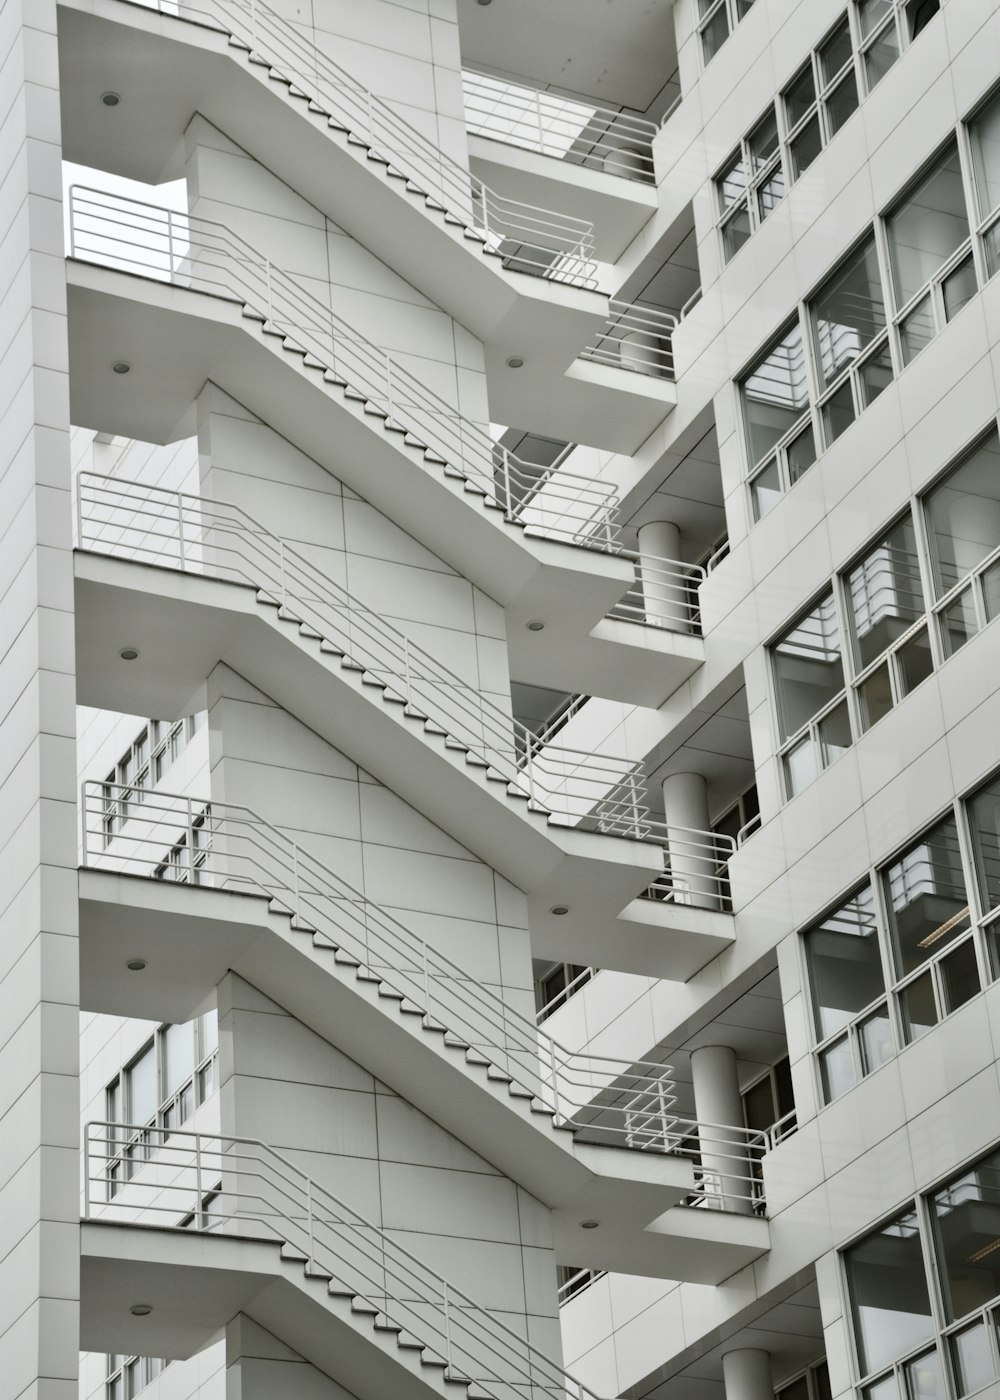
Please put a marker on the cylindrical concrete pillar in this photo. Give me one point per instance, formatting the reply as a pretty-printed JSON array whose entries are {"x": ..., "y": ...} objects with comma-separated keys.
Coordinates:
[
  {"x": 693, "y": 858},
  {"x": 747, "y": 1374},
  {"x": 641, "y": 351},
  {"x": 725, "y": 1163},
  {"x": 666, "y": 592}
]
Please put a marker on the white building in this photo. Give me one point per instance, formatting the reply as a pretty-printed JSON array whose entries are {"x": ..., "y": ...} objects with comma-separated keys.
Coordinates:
[{"x": 501, "y": 778}]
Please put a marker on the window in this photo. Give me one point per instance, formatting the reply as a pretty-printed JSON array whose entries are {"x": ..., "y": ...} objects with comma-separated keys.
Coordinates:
[
  {"x": 160, "y": 1089},
  {"x": 886, "y": 27},
  {"x": 895, "y": 1314},
  {"x": 752, "y": 185},
  {"x": 779, "y": 429},
  {"x": 891, "y": 1310},
  {"x": 126, "y": 784},
  {"x": 983, "y": 812},
  {"x": 812, "y": 710},
  {"x": 769, "y": 1099},
  {"x": 184, "y": 863},
  {"x": 984, "y": 142},
  {"x": 850, "y": 341},
  {"x": 571, "y": 1280},
  {"x": 717, "y": 20},
  {"x": 739, "y": 820},
  {"x": 924, "y": 232},
  {"x": 555, "y": 984},
  {"x": 128, "y": 1375},
  {"x": 819, "y": 99},
  {"x": 962, "y": 520},
  {"x": 812, "y": 1384}
]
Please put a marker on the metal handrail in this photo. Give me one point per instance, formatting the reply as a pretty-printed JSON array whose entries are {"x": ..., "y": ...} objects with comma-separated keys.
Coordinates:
[
  {"x": 197, "y": 535},
  {"x": 570, "y": 129},
  {"x": 530, "y": 239},
  {"x": 168, "y": 1174},
  {"x": 186, "y": 250},
  {"x": 664, "y": 594},
  {"x": 561, "y": 997},
  {"x": 133, "y": 831},
  {"x": 636, "y": 337}
]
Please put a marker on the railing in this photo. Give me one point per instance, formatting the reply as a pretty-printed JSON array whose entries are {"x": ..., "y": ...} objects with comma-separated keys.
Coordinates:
[
  {"x": 748, "y": 828},
  {"x": 727, "y": 1168},
  {"x": 566, "y": 128},
  {"x": 530, "y": 239},
  {"x": 188, "y": 251},
  {"x": 215, "y": 845},
  {"x": 256, "y": 1191},
  {"x": 577, "y": 1282},
  {"x": 150, "y": 525},
  {"x": 697, "y": 873},
  {"x": 563, "y": 996},
  {"x": 664, "y": 594},
  {"x": 531, "y": 740},
  {"x": 637, "y": 338}
]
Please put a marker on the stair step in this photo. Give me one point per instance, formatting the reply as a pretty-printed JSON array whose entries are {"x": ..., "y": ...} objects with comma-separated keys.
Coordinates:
[
  {"x": 379, "y": 159},
  {"x": 350, "y": 393},
  {"x": 455, "y": 1042},
  {"x": 349, "y": 664},
  {"x": 235, "y": 43},
  {"x": 336, "y": 1289},
  {"x": 373, "y": 411},
  {"x": 410, "y": 1008},
  {"x": 345, "y": 959},
  {"x": 390, "y": 993},
  {"x": 537, "y": 1107},
  {"x": 332, "y": 377},
  {"x": 386, "y": 1324},
  {"x": 314, "y": 1271},
  {"x": 353, "y": 140},
  {"x": 367, "y": 678},
  {"x": 474, "y": 761},
  {"x": 517, "y": 1092},
  {"x": 435, "y": 459},
  {"x": 365, "y": 974},
  {"x": 499, "y": 1076},
  {"x": 293, "y": 1255},
  {"x": 362, "y": 1305},
  {"x": 451, "y": 743},
  {"x": 450, "y": 218},
  {"x": 328, "y": 648},
  {"x": 473, "y": 1057}
]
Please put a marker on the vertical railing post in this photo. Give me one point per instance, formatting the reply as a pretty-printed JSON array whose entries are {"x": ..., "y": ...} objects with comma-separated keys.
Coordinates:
[
  {"x": 253, "y": 25},
  {"x": 541, "y": 128},
  {"x": 170, "y": 245},
  {"x": 427, "y": 982},
  {"x": 83, "y": 824},
  {"x": 447, "y": 1330},
  {"x": 190, "y": 840},
  {"x": 309, "y": 1223},
  {"x": 180, "y": 529},
  {"x": 72, "y": 221},
  {"x": 529, "y": 767},
  {"x": 79, "y": 512},
  {"x": 267, "y": 279},
  {"x": 281, "y": 569},
  {"x": 296, "y": 897},
  {"x": 508, "y": 498},
  {"x": 198, "y": 1197},
  {"x": 388, "y": 387},
  {"x": 87, "y": 1169},
  {"x": 407, "y": 677},
  {"x": 663, "y": 1114},
  {"x": 553, "y": 1063}
]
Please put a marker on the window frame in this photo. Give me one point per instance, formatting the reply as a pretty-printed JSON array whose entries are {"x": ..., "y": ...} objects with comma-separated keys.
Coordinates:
[
  {"x": 810, "y": 730},
  {"x": 730, "y": 8},
  {"x": 895, "y": 18}
]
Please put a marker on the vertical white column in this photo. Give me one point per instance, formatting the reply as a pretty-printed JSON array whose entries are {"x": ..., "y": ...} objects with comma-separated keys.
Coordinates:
[
  {"x": 664, "y": 594},
  {"x": 718, "y": 1105},
  {"x": 747, "y": 1374},
  {"x": 692, "y": 858},
  {"x": 39, "y": 1057}
]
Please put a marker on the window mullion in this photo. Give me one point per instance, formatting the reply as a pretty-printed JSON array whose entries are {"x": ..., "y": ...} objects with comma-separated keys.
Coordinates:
[
  {"x": 928, "y": 1254},
  {"x": 888, "y": 295},
  {"x": 965, "y": 161},
  {"x": 927, "y": 581},
  {"x": 889, "y": 977}
]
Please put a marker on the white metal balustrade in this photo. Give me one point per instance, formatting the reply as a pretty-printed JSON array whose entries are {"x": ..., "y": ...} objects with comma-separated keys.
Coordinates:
[
  {"x": 185, "y": 250},
  {"x": 569, "y": 129},
  {"x": 256, "y": 1192},
  {"x": 541, "y": 242},
  {"x": 637, "y": 338},
  {"x": 166, "y": 836}
]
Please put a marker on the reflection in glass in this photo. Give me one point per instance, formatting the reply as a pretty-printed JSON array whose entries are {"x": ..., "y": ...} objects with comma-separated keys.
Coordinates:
[
  {"x": 916, "y": 661},
  {"x": 836, "y": 1067},
  {"x": 801, "y": 454},
  {"x": 984, "y": 134},
  {"x": 845, "y": 967},
  {"x": 924, "y": 1377},
  {"x": 960, "y": 976},
  {"x": 838, "y": 412},
  {"x": 958, "y": 622},
  {"x": 808, "y": 666},
  {"x": 766, "y": 490},
  {"x": 984, "y": 821},
  {"x": 847, "y": 313},
  {"x": 970, "y": 1359},
  {"x": 991, "y": 591},
  {"x": 799, "y": 96},
  {"x": 916, "y": 331},
  {"x": 966, "y": 1217},
  {"x": 835, "y": 52},
  {"x": 875, "y": 1032},
  {"x": 928, "y": 225},
  {"x": 963, "y": 515},
  {"x": 834, "y": 733},
  {"x": 888, "y": 1288},
  {"x": 918, "y": 1008},
  {"x": 775, "y": 394},
  {"x": 884, "y": 592},
  {"x": 806, "y": 147},
  {"x": 842, "y": 103},
  {"x": 959, "y": 287},
  {"x": 801, "y": 766},
  {"x": 880, "y": 57},
  {"x": 875, "y": 696},
  {"x": 875, "y": 374},
  {"x": 735, "y": 232},
  {"x": 925, "y": 895}
]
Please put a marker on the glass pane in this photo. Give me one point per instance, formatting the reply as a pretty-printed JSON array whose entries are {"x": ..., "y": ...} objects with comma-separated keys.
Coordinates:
[
  {"x": 806, "y": 147},
  {"x": 836, "y": 1067},
  {"x": 915, "y": 661},
  {"x": 143, "y": 1099},
  {"x": 917, "y": 330},
  {"x": 775, "y": 394},
  {"x": 770, "y": 193},
  {"x": 735, "y": 231},
  {"x": 801, "y": 766},
  {"x": 732, "y": 182},
  {"x": 800, "y": 453},
  {"x": 842, "y": 102},
  {"x": 838, "y": 412},
  {"x": 966, "y": 1217},
  {"x": 875, "y": 374},
  {"x": 884, "y": 594},
  {"x": 715, "y": 34},
  {"x": 835, "y": 52},
  {"x": 960, "y": 976},
  {"x": 835, "y": 733},
  {"x": 984, "y": 821},
  {"x": 928, "y": 225},
  {"x": 958, "y": 622},
  {"x": 970, "y": 1359},
  {"x": 821, "y": 1378},
  {"x": 888, "y": 1289},
  {"x": 799, "y": 96},
  {"x": 871, "y": 13},
  {"x": 991, "y": 242},
  {"x": 880, "y": 57},
  {"x": 875, "y": 1034},
  {"x": 808, "y": 667},
  {"x": 766, "y": 490},
  {"x": 178, "y": 1056},
  {"x": 885, "y": 1389},
  {"x": 985, "y": 136},
  {"x": 763, "y": 141},
  {"x": 918, "y": 1008},
  {"x": 924, "y": 1378},
  {"x": 919, "y": 14},
  {"x": 845, "y": 967},
  {"x": 991, "y": 590},
  {"x": 959, "y": 287},
  {"x": 847, "y": 313},
  {"x": 963, "y": 515},
  {"x": 208, "y": 1033},
  {"x": 925, "y": 896},
  {"x": 758, "y": 1105},
  {"x": 875, "y": 697}
]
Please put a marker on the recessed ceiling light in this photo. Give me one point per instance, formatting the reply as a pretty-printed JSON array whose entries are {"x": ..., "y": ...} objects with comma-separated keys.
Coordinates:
[
  {"x": 484, "y": 2},
  {"x": 535, "y": 625},
  {"x": 121, "y": 366},
  {"x": 515, "y": 362},
  {"x": 136, "y": 964},
  {"x": 110, "y": 99},
  {"x": 559, "y": 910},
  {"x": 141, "y": 1309},
  {"x": 128, "y": 653},
  {"x": 587, "y": 1225}
]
